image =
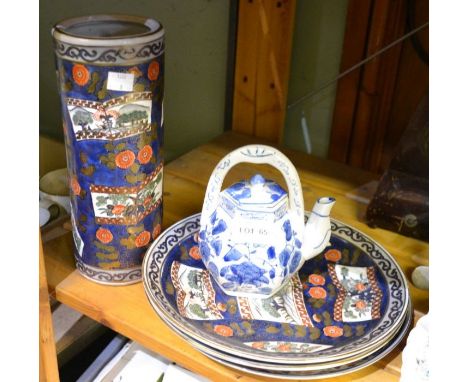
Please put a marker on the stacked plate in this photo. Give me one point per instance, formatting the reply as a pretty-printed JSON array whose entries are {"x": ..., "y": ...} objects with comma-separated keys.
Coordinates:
[{"x": 344, "y": 310}]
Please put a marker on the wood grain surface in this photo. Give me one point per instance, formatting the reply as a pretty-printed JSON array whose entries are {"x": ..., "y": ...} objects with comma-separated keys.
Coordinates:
[
  {"x": 48, "y": 366},
  {"x": 261, "y": 76}
]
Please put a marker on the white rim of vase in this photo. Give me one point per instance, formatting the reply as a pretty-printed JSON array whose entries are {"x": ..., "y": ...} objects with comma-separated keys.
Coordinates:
[{"x": 60, "y": 31}]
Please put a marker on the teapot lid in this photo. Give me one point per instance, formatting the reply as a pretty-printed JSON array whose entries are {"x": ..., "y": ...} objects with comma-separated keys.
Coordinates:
[{"x": 257, "y": 192}]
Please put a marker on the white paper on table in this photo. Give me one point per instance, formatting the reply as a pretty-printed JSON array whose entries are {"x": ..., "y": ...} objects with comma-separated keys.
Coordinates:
[
  {"x": 176, "y": 373},
  {"x": 142, "y": 367},
  {"x": 112, "y": 362}
]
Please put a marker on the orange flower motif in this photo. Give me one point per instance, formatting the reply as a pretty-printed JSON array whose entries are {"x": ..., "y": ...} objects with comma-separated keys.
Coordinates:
[
  {"x": 75, "y": 186},
  {"x": 316, "y": 318},
  {"x": 361, "y": 305},
  {"x": 333, "y": 255},
  {"x": 125, "y": 159},
  {"x": 222, "y": 307},
  {"x": 195, "y": 252},
  {"x": 135, "y": 71},
  {"x": 156, "y": 231},
  {"x": 153, "y": 71},
  {"x": 118, "y": 209},
  {"x": 223, "y": 330},
  {"x": 104, "y": 235},
  {"x": 80, "y": 74},
  {"x": 333, "y": 331},
  {"x": 142, "y": 239},
  {"x": 284, "y": 347},
  {"x": 360, "y": 287},
  {"x": 144, "y": 155},
  {"x": 317, "y": 292},
  {"x": 316, "y": 279},
  {"x": 258, "y": 345}
]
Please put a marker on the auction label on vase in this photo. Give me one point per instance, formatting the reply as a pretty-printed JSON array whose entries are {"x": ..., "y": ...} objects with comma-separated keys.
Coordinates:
[{"x": 120, "y": 81}]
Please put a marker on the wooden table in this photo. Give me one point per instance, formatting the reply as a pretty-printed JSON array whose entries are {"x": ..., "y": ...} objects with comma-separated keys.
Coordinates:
[{"x": 126, "y": 310}]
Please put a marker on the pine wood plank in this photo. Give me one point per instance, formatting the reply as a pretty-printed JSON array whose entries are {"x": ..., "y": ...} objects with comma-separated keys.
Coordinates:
[
  {"x": 263, "y": 55},
  {"x": 245, "y": 73},
  {"x": 59, "y": 260},
  {"x": 276, "y": 19},
  {"x": 48, "y": 366}
]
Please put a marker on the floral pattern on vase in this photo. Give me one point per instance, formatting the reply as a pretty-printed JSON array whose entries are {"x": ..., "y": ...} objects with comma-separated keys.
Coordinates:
[
  {"x": 114, "y": 119},
  {"x": 127, "y": 205},
  {"x": 114, "y": 155}
]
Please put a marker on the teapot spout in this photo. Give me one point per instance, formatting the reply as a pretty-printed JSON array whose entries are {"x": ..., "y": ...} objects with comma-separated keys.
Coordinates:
[{"x": 318, "y": 228}]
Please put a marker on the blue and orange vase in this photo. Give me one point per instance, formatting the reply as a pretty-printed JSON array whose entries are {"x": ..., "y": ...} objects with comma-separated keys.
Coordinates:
[{"x": 111, "y": 76}]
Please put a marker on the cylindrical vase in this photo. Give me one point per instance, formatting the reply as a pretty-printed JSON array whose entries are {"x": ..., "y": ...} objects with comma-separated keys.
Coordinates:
[{"x": 110, "y": 70}]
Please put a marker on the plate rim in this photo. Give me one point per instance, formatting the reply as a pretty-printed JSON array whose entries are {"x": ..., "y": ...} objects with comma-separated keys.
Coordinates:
[
  {"x": 359, "y": 364},
  {"x": 294, "y": 367}
]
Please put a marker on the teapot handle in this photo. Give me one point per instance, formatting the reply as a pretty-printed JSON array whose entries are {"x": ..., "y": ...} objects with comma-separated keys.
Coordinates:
[{"x": 259, "y": 154}]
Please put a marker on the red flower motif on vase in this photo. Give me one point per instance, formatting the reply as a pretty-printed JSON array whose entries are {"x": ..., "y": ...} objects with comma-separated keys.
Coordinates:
[
  {"x": 135, "y": 71},
  {"x": 75, "y": 186},
  {"x": 156, "y": 231},
  {"x": 104, "y": 235},
  {"x": 80, "y": 74},
  {"x": 118, "y": 209},
  {"x": 144, "y": 155},
  {"x": 153, "y": 71},
  {"x": 124, "y": 159},
  {"x": 142, "y": 239}
]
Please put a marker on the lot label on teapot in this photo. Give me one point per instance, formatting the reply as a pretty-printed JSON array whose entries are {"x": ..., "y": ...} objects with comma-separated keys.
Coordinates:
[{"x": 260, "y": 230}]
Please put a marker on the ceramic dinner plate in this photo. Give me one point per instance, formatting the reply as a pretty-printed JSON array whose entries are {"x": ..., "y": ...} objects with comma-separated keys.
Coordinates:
[
  {"x": 330, "y": 372},
  {"x": 230, "y": 359},
  {"x": 343, "y": 301}
]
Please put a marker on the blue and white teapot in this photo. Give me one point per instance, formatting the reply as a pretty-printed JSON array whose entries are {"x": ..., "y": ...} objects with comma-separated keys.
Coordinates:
[{"x": 252, "y": 235}]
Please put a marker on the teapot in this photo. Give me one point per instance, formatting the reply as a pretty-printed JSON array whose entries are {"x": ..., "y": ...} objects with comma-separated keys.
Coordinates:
[{"x": 252, "y": 237}]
